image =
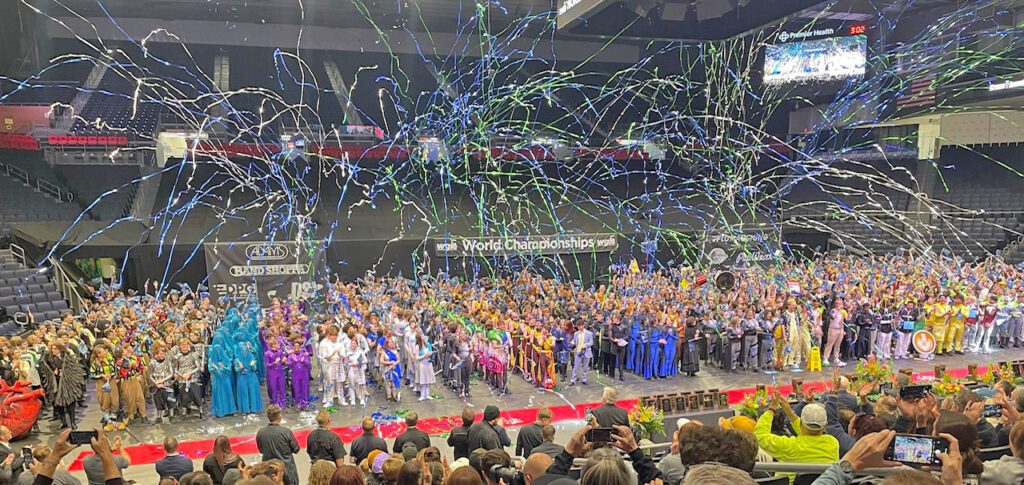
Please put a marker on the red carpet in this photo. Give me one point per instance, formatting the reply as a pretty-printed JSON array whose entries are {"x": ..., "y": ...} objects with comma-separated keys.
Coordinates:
[{"x": 246, "y": 445}]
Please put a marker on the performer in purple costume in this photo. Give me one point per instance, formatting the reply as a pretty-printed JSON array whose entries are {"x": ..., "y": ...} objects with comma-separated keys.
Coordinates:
[
  {"x": 274, "y": 359},
  {"x": 299, "y": 364}
]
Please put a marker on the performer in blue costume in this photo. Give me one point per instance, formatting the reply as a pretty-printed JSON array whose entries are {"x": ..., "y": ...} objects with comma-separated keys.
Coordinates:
[
  {"x": 247, "y": 392},
  {"x": 653, "y": 353},
  {"x": 668, "y": 366},
  {"x": 641, "y": 348},
  {"x": 221, "y": 375},
  {"x": 634, "y": 339}
]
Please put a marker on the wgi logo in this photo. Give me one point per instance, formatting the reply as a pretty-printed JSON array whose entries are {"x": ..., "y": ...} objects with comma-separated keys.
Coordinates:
[
  {"x": 266, "y": 251},
  {"x": 447, "y": 246}
]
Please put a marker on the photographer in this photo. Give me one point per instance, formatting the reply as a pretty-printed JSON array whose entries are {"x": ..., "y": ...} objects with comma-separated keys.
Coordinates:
[
  {"x": 45, "y": 471},
  {"x": 578, "y": 447},
  {"x": 869, "y": 452}
]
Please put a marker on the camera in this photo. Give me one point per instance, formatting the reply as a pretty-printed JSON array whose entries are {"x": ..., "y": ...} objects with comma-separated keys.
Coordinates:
[{"x": 508, "y": 474}]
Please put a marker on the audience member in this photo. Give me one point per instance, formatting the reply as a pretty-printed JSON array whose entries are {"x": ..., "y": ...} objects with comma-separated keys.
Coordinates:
[
  {"x": 409, "y": 474},
  {"x": 717, "y": 474},
  {"x": 466, "y": 476},
  {"x": 412, "y": 435},
  {"x": 11, "y": 463},
  {"x": 488, "y": 433},
  {"x": 458, "y": 437},
  {"x": 367, "y": 442},
  {"x": 321, "y": 472},
  {"x": 324, "y": 444},
  {"x": 811, "y": 445},
  {"x": 45, "y": 470},
  {"x": 92, "y": 465},
  {"x": 40, "y": 454},
  {"x": 376, "y": 476},
  {"x": 532, "y": 434},
  {"x": 604, "y": 467},
  {"x": 702, "y": 444},
  {"x": 173, "y": 464},
  {"x": 535, "y": 466},
  {"x": 390, "y": 470},
  {"x": 671, "y": 465},
  {"x": 221, "y": 460},
  {"x": 548, "y": 446},
  {"x": 1008, "y": 469},
  {"x": 609, "y": 414},
  {"x": 272, "y": 469},
  {"x": 491, "y": 460},
  {"x": 966, "y": 433},
  {"x": 348, "y": 475},
  {"x": 622, "y": 439},
  {"x": 275, "y": 442}
]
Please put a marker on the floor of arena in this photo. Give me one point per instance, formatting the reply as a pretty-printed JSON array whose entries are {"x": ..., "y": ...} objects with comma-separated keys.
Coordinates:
[{"x": 195, "y": 436}]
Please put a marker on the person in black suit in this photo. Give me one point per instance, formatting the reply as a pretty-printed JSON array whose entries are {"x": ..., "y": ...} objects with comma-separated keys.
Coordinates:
[
  {"x": 11, "y": 463},
  {"x": 620, "y": 338},
  {"x": 412, "y": 435},
  {"x": 458, "y": 438},
  {"x": 367, "y": 442},
  {"x": 488, "y": 434},
  {"x": 608, "y": 414},
  {"x": 324, "y": 444},
  {"x": 607, "y": 356}
]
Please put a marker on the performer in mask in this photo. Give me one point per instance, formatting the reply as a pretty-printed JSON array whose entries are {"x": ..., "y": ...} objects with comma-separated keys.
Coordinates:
[
  {"x": 221, "y": 376},
  {"x": 247, "y": 386}
]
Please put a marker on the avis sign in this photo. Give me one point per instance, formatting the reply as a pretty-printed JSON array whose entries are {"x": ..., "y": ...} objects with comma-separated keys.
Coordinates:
[{"x": 264, "y": 270}]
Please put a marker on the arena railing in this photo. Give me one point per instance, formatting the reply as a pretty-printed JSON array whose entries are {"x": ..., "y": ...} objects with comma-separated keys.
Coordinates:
[
  {"x": 42, "y": 185},
  {"x": 18, "y": 253},
  {"x": 797, "y": 468},
  {"x": 66, "y": 286}
]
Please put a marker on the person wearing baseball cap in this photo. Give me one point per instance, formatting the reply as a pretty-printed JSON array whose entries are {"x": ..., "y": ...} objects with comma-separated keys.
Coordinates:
[{"x": 812, "y": 445}]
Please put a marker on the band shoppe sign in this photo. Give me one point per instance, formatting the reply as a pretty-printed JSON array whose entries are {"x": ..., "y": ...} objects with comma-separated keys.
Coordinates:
[
  {"x": 455, "y": 246},
  {"x": 281, "y": 269},
  {"x": 737, "y": 250}
]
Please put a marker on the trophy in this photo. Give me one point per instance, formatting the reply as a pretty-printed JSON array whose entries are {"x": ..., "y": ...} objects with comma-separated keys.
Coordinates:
[
  {"x": 972, "y": 371},
  {"x": 723, "y": 400},
  {"x": 939, "y": 371}
]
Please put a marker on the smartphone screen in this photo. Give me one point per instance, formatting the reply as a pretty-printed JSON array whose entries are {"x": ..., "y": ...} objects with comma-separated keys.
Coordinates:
[
  {"x": 992, "y": 411},
  {"x": 26, "y": 457},
  {"x": 599, "y": 435},
  {"x": 588, "y": 416},
  {"x": 915, "y": 392},
  {"x": 81, "y": 437},
  {"x": 917, "y": 449}
]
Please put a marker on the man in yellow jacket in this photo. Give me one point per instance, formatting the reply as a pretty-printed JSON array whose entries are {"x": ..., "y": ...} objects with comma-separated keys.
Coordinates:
[
  {"x": 811, "y": 445},
  {"x": 938, "y": 321}
]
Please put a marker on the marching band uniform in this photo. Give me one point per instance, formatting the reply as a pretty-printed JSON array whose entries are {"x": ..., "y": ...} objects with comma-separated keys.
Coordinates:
[
  {"x": 750, "y": 328},
  {"x": 766, "y": 344},
  {"x": 669, "y": 367}
]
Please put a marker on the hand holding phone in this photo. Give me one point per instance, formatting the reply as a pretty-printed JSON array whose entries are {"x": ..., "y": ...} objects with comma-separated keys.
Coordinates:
[
  {"x": 992, "y": 411},
  {"x": 917, "y": 449},
  {"x": 599, "y": 435},
  {"x": 26, "y": 457},
  {"x": 82, "y": 437},
  {"x": 915, "y": 392}
]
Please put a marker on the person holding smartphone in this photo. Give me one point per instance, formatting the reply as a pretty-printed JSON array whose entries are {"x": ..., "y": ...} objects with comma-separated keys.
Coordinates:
[
  {"x": 870, "y": 451},
  {"x": 11, "y": 463}
]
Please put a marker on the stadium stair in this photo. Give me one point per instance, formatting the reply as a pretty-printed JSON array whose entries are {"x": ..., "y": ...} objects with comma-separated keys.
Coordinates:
[{"x": 24, "y": 290}]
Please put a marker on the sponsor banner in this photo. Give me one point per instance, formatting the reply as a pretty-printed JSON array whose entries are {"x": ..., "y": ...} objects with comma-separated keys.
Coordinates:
[
  {"x": 727, "y": 250},
  {"x": 265, "y": 270},
  {"x": 525, "y": 245}
]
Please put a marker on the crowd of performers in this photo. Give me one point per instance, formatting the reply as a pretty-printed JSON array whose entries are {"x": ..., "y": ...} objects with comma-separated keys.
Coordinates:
[{"x": 182, "y": 350}]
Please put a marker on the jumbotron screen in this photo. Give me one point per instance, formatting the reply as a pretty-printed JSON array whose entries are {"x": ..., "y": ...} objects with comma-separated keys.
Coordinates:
[{"x": 816, "y": 61}]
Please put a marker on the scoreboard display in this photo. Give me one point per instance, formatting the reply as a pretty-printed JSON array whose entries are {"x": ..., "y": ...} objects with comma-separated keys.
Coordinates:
[{"x": 817, "y": 56}]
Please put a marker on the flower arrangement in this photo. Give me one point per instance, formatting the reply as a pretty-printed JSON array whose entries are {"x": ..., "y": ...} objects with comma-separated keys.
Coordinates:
[
  {"x": 996, "y": 373},
  {"x": 947, "y": 386},
  {"x": 872, "y": 370},
  {"x": 647, "y": 420},
  {"x": 751, "y": 404}
]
